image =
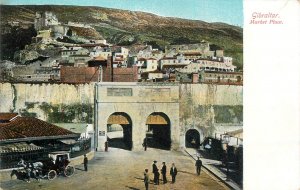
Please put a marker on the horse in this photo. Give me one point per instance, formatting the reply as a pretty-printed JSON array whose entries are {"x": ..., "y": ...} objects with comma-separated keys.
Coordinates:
[
  {"x": 20, "y": 174},
  {"x": 32, "y": 170}
]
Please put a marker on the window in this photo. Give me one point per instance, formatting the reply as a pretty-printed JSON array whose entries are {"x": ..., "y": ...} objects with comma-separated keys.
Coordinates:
[{"x": 119, "y": 91}]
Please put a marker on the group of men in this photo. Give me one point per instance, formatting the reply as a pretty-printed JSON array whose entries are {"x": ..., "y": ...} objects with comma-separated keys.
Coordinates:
[
  {"x": 155, "y": 171},
  {"x": 173, "y": 172}
]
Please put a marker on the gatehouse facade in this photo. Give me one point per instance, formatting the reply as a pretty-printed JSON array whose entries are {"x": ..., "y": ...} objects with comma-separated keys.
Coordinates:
[{"x": 142, "y": 110}]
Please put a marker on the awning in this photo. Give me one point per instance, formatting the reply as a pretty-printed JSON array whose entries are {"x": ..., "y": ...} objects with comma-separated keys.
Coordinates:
[
  {"x": 68, "y": 141},
  {"x": 18, "y": 147},
  {"x": 237, "y": 133},
  {"x": 118, "y": 119},
  {"x": 156, "y": 120}
]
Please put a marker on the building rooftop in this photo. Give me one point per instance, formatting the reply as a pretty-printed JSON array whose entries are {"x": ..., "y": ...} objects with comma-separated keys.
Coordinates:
[
  {"x": 27, "y": 127},
  {"x": 224, "y": 72},
  {"x": 192, "y": 54},
  {"x": 7, "y": 116},
  {"x": 175, "y": 65},
  {"x": 168, "y": 58},
  {"x": 79, "y": 55}
]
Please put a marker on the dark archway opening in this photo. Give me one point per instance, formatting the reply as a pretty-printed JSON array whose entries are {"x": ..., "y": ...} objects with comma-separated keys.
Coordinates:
[
  {"x": 119, "y": 131},
  {"x": 192, "y": 139},
  {"x": 159, "y": 131}
]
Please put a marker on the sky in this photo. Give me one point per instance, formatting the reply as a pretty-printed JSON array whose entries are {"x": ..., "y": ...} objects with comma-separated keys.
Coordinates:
[{"x": 230, "y": 12}]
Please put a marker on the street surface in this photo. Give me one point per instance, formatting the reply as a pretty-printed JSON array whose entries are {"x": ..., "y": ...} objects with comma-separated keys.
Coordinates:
[{"x": 120, "y": 169}]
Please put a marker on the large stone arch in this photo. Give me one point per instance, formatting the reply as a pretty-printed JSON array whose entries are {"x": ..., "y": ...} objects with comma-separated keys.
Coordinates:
[
  {"x": 138, "y": 101},
  {"x": 117, "y": 138},
  {"x": 158, "y": 130}
]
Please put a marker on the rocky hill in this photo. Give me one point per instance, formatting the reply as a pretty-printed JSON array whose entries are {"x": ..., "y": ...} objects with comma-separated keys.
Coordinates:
[{"x": 128, "y": 27}]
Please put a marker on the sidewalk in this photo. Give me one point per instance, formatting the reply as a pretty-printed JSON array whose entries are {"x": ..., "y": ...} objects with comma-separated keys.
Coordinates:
[{"x": 211, "y": 166}]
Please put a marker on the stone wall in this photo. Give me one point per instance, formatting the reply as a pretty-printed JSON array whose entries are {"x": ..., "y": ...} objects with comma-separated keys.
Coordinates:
[
  {"x": 209, "y": 108},
  {"x": 49, "y": 102}
]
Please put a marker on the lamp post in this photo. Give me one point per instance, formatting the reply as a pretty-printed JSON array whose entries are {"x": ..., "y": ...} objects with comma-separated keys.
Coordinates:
[{"x": 225, "y": 142}]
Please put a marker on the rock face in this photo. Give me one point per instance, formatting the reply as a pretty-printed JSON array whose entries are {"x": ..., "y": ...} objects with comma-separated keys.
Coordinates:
[
  {"x": 89, "y": 33},
  {"x": 130, "y": 27}
]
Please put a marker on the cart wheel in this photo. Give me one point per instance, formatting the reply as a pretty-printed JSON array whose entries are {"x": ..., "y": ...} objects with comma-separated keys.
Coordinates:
[
  {"x": 69, "y": 171},
  {"x": 52, "y": 174}
]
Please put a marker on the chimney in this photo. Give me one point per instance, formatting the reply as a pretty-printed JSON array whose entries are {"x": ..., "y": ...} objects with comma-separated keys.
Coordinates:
[
  {"x": 195, "y": 77},
  {"x": 113, "y": 54}
]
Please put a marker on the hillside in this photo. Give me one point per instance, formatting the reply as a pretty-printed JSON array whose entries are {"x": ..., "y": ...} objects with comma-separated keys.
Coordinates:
[{"x": 127, "y": 27}]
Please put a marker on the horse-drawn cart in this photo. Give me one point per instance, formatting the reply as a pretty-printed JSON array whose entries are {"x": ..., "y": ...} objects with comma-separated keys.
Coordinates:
[{"x": 58, "y": 163}]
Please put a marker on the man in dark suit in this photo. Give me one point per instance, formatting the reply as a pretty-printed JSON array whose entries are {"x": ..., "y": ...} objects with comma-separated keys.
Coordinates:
[
  {"x": 85, "y": 163},
  {"x": 173, "y": 172},
  {"x": 155, "y": 172},
  {"x": 145, "y": 144},
  {"x": 164, "y": 172},
  {"x": 198, "y": 166}
]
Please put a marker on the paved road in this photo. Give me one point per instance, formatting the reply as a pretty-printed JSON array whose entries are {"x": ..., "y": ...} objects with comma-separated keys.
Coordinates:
[{"x": 121, "y": 169}]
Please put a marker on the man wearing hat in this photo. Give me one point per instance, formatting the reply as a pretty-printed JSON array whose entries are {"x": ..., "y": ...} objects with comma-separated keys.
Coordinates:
[
  {"x": 164, "y": 172},
  {"x": 155, "y": 172}
]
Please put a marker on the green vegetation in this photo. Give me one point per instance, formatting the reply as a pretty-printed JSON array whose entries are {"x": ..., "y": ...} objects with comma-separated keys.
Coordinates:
[
  {"x": 222, "y": 113},
  {"x": 25, "y": 113},
  {"x": 228, "y": 114},
  {"x": 68, "y": 113},
  {"x": 29, "y": 105}
]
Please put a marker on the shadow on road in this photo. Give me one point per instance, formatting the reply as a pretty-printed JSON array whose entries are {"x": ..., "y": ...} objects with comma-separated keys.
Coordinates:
[
  {"x": 139, "y": 178},
  {"x": 185, "y": 172},
  {"x": 133, "y": 188},
  {"x": 80, "y": 169}
]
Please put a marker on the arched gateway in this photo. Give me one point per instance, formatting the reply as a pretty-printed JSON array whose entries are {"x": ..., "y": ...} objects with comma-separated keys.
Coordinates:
[
  {"x": 158, "y": 131},
  {"x": 126, "y": 112},
  {"x": 119, "y": 130},
  {"x": 192, "y": 138}
]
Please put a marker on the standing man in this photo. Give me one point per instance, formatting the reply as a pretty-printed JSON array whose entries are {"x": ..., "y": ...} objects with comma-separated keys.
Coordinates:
[
  {"x": 164, "y": 172},
  {"x": 145, "y": 144},
  {"x": 155, "y": 172},
  {"x": 173, "y": 172},
  {"x": 198, "y": 165},
  {"x": 146, "y": 179},
  {"x": 85, "y": 163},
  {"x": 106, "y": 146}
]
